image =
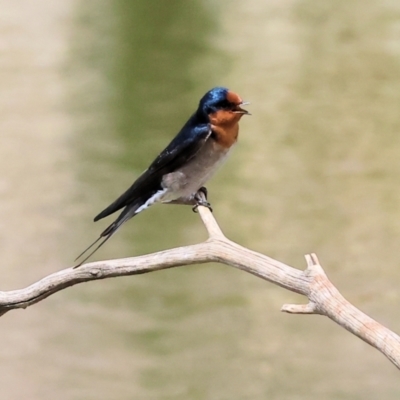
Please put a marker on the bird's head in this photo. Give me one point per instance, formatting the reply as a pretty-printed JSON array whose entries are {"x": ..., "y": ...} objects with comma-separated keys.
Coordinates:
[{"x": 223, "y": 104}]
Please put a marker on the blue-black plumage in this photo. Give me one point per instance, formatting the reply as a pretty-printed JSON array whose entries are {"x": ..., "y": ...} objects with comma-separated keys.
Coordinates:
[{"x": 185, "y": 165}]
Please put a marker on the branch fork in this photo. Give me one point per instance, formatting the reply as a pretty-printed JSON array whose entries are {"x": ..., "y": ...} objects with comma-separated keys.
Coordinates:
[{"x": 315, "y": 273}]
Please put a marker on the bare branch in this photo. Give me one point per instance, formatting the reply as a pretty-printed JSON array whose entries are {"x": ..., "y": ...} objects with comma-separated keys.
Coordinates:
[{"x": 323, "y": 297}]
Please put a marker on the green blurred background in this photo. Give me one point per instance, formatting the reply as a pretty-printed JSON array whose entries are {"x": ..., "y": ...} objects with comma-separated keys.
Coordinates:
[{"x": 91, "y": 91}]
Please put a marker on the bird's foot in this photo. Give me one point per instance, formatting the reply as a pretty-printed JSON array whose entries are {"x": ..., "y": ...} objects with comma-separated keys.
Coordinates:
[{"x": 201, "y": 199}]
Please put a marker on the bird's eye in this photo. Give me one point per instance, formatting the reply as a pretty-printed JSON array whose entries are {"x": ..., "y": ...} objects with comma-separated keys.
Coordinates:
[{"x": 225, "y": 104}]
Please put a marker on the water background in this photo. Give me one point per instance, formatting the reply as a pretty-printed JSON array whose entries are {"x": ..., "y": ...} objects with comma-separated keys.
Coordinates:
[{"x": 91, "y": 91}]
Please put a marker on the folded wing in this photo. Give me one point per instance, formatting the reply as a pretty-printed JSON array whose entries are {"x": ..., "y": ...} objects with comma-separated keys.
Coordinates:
[{"x": 184, "y": 147}]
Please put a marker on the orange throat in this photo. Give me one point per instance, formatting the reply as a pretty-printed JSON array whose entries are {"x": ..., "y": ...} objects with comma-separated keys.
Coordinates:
[{"x": 225, "y": 126}]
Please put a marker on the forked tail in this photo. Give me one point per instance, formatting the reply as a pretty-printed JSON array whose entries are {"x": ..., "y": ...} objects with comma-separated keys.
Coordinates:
[
  {"x": 105, "y": 236},
  {"x": 130, "y": 211}
]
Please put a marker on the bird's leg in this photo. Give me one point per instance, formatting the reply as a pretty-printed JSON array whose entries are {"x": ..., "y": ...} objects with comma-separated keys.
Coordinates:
[
  {"x": 201, "y": 199},
  {"x": 195, "y": 200}
]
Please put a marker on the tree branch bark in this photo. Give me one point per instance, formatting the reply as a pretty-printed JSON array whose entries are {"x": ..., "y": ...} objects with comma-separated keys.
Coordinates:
[{"x": 323, "y": 297}]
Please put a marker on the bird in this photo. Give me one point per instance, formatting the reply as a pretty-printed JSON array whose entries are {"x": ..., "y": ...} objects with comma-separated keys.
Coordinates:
[{"x": 178, "y": 173}]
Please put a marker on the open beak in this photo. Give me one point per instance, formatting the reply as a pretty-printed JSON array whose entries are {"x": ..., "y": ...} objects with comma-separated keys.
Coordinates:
[{"x": 240, "y": 110}]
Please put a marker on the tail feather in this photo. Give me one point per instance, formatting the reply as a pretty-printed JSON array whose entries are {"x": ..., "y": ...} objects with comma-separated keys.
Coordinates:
[
  {"x": 128, "y": 213},
  {"x": 105, "y": 235},
  {"x": 92, "y": 252},
  {"x": 85, "y": 251}
]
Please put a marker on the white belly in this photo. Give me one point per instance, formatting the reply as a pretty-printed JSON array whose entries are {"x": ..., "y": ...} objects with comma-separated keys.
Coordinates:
[{"x": 188, "y": 179}]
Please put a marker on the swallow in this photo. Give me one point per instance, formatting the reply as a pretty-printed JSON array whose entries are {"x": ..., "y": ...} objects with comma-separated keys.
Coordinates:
[{"x": 178, "y": 174}]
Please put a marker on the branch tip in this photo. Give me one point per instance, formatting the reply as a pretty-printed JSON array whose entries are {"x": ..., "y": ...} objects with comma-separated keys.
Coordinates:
[
  {"x": 311, "y": 260},
  {"x": 299, "y": 308},
  {"x": 313, "y": 264}
]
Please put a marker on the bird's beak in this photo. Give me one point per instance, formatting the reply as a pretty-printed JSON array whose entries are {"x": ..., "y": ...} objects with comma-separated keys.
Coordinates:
[{"x": 240, "y": 110}]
